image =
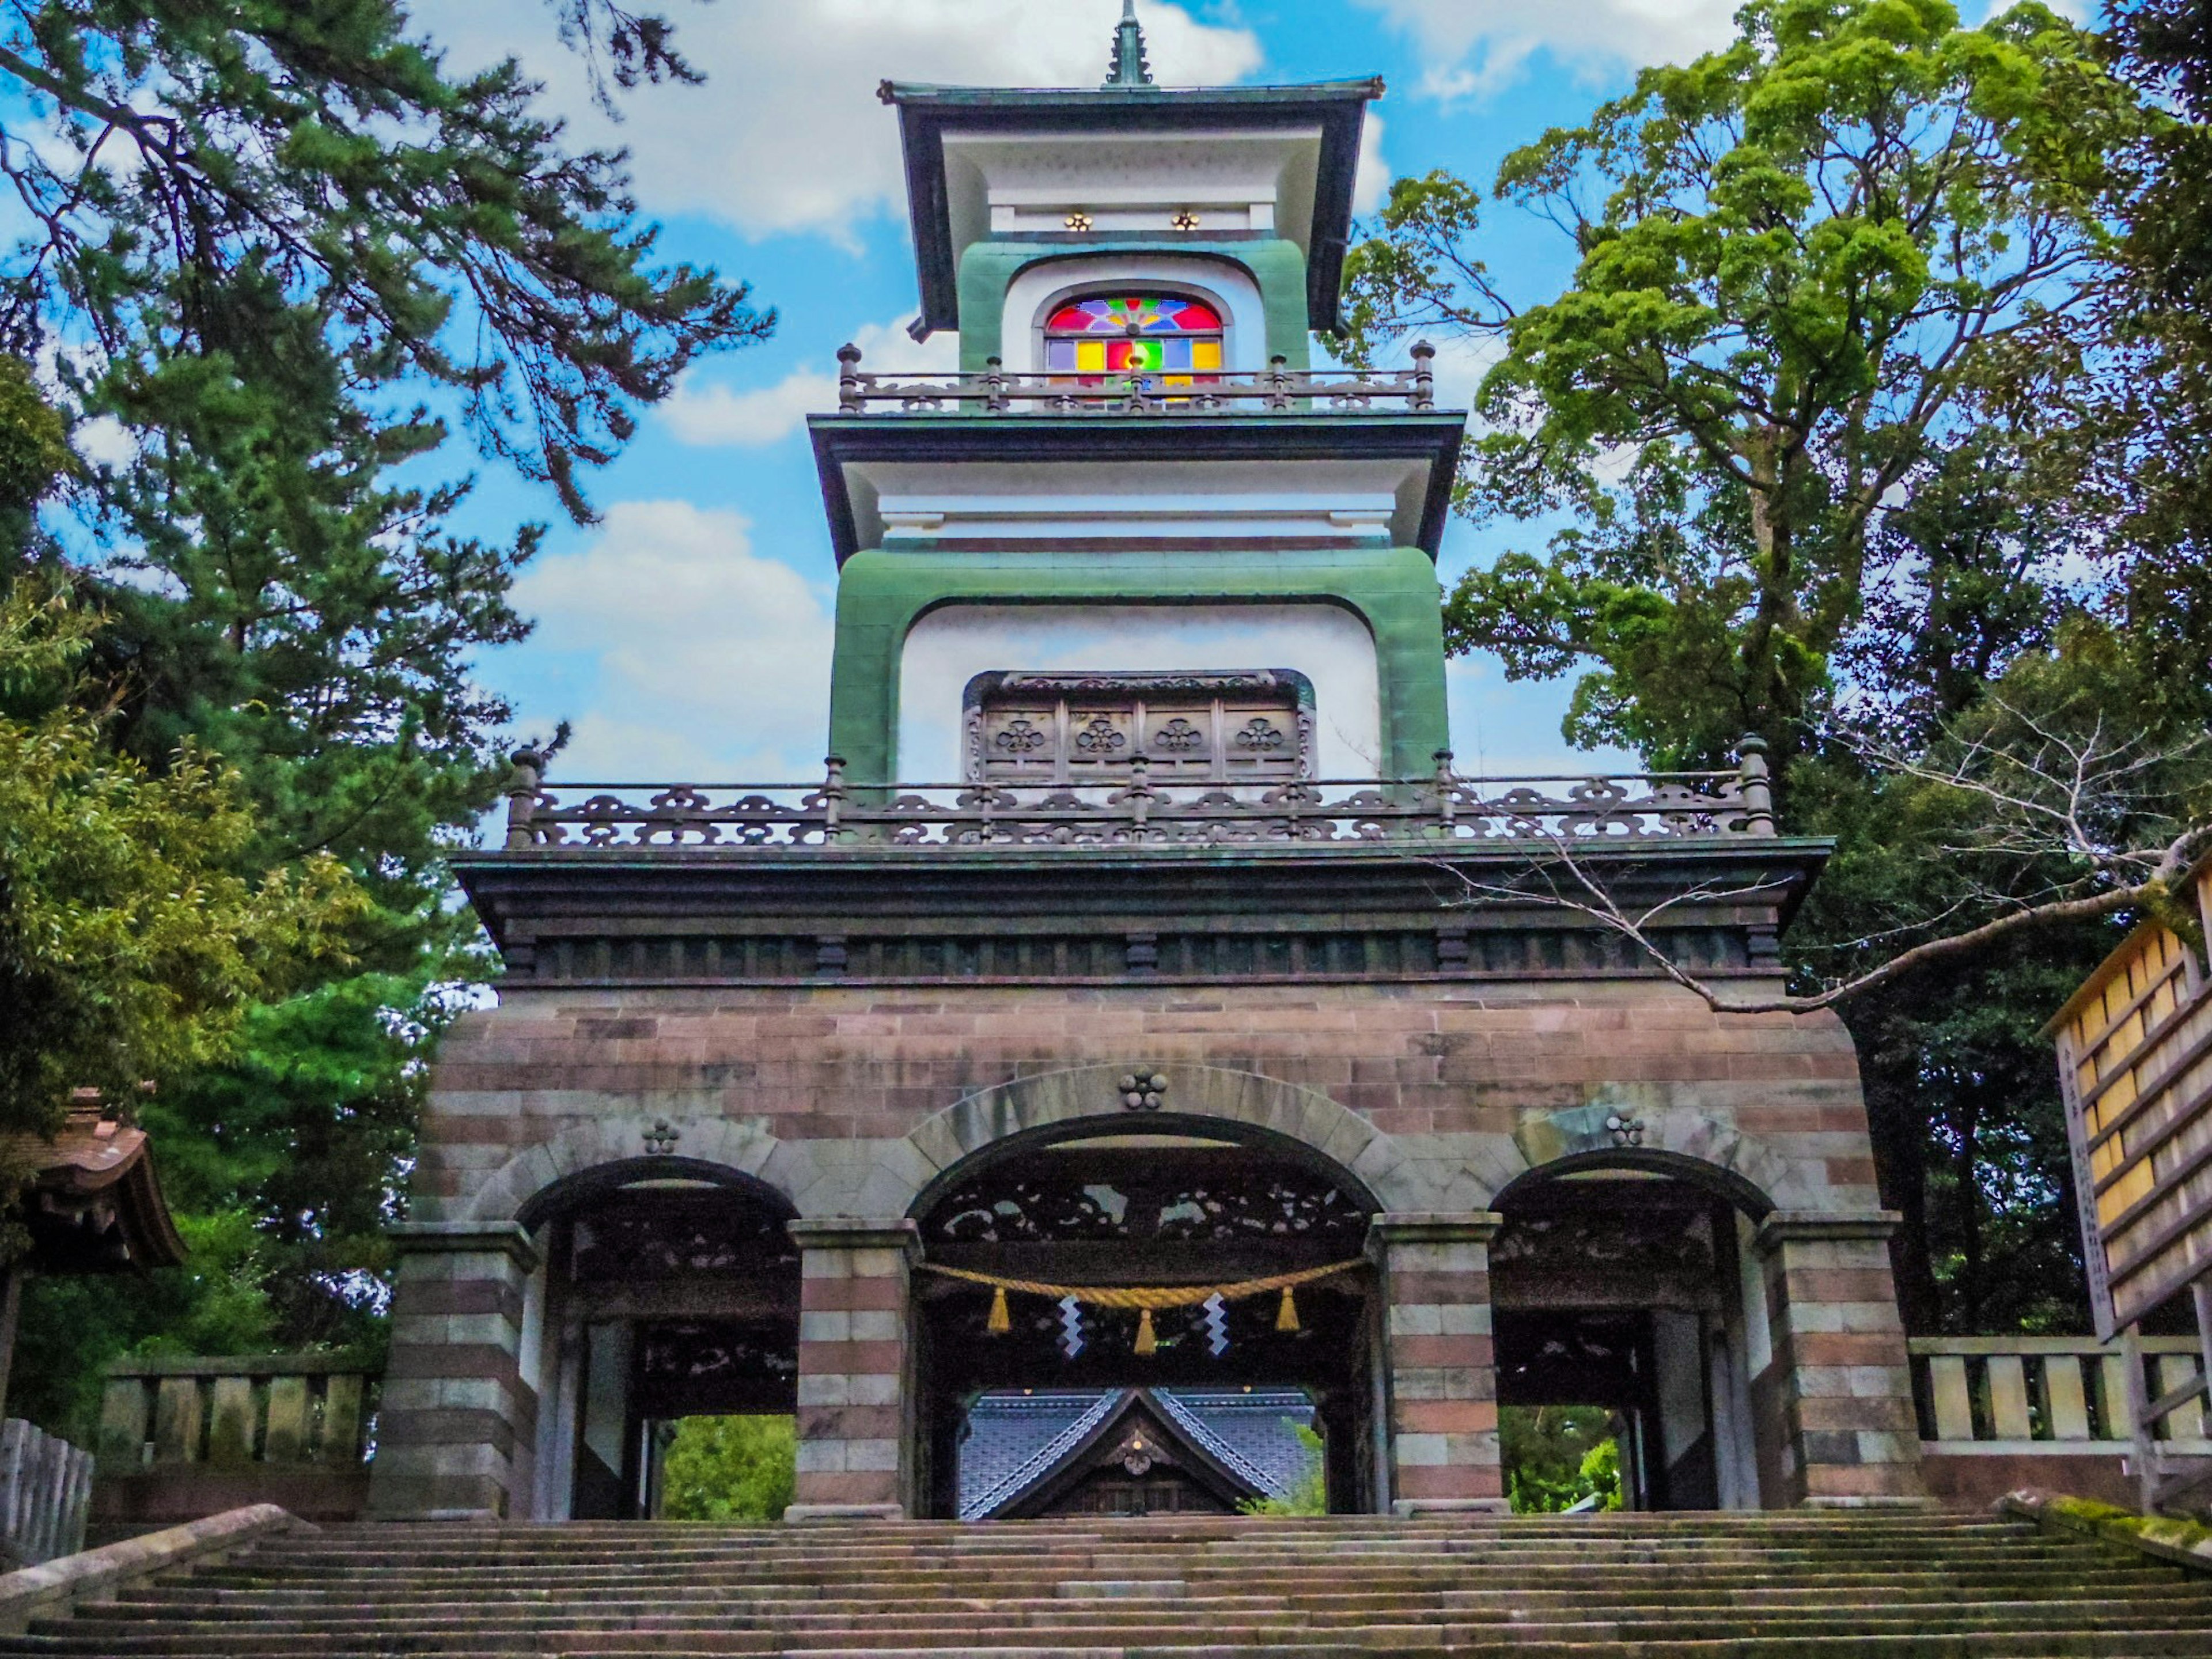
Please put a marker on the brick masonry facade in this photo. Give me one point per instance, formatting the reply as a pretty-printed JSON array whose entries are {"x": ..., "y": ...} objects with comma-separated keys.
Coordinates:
[{"x": 850, "y": 1100}]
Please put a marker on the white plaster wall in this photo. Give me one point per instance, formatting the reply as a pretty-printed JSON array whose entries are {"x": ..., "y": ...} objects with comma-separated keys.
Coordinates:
[
  {"x": 1032, "y": 295},
  {"x": 949, "y": 646}
]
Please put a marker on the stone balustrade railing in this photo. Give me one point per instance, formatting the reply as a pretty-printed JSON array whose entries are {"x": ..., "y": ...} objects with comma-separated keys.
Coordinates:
[
  {"x": 1274, "y": 390},
  {"x": 1442, "y": 810},
  {"x": 277, "y": 1409},
  {"x": 2031, "y": 1393}
]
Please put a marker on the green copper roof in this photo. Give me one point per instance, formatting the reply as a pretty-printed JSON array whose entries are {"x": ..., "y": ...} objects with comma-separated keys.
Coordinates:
[{"x": 1129, "y": 67}]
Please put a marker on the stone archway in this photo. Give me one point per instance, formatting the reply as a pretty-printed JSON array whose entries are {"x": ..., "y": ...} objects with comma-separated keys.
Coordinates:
[
  {"x": 1402, "y": 1175},
  {"x": 518, "y": 1186},
  {"x": 1686, "y": 1142},
  {"x": 1056, "y": 1192}
]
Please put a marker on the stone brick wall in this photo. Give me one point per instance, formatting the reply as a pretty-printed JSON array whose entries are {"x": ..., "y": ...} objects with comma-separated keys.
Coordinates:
[
  {"x": 854, "y": 1369},
  {"x": 850, "y": 1100},
  {"x": 1495, "y": 1072},
  {"x": 1850, "y": 1436},
  {"x": 1442, "y": 1371}
]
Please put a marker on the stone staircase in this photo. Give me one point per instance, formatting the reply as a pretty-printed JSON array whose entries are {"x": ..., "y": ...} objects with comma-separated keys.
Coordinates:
[{"x": 1603, "y": 1587}]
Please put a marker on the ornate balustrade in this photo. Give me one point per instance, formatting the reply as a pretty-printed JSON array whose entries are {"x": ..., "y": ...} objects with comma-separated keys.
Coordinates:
[
  {"x": 1274, "y": 390},
  {"x": 2048, "y": 1395},
  {"x": 1444, "y": 809}
]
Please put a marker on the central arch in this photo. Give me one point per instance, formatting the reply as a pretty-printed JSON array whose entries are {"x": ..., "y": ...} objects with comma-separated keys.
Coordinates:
[
  {"x": 1056, "y": 1194},
  {"x": 1215, "y": 1099}
]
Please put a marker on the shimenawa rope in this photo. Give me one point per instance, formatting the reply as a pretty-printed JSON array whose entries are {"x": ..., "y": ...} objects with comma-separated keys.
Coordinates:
[{"x": 1143, "y": 1298}]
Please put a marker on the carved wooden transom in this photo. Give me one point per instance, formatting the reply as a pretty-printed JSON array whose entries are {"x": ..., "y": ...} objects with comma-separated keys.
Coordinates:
[{"x": 1192, "y": 728}]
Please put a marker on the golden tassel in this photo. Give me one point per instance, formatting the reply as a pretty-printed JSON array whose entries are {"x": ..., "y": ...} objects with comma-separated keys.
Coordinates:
[
  {"x": 1000, "y": 1321},
  {"x": 1147, "y": 1343},
  {"x": 1286, "y": 1317}
]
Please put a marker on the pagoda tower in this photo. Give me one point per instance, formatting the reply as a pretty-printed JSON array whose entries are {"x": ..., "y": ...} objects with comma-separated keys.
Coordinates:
[{"x": 1139, "y": 1000}]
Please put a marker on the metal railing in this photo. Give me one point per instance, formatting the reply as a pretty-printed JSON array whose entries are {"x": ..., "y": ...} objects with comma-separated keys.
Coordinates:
[
  {"x": 1131, "y": 812},
  {"x": 295, "y": 1409},
  {"x": 1276, "y": 389},
  {"x": 2049, "y": 1393}
]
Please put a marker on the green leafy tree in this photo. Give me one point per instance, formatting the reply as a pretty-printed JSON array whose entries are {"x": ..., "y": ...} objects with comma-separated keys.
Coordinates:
[
  {"x": 1800, "y": 259},
  {"x": 1557, "y": 1456},
  {"x": 1309, "y": 1493},
  {"x": 731, "y": 1470},
  {"x": 131, "y": 948},
  {"x": 1871, "y": 413},
  {"x": 280, "y": 254}
]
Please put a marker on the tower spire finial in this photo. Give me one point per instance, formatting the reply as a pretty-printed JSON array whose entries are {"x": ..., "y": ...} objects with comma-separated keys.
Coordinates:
[{"x": 1129, "y": 67}]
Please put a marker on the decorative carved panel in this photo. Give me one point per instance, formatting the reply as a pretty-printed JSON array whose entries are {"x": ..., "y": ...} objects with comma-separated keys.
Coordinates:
[
  {"x": 1256, "y": 727},
  {"x": 676, "y": 1234}
]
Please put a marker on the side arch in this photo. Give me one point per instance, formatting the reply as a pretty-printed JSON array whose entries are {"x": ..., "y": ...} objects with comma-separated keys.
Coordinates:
[
  {"x": 703, "y": 1148},
  {"x": 1022, "y": 1107},
  {"x": 1673, "y": 1140}
]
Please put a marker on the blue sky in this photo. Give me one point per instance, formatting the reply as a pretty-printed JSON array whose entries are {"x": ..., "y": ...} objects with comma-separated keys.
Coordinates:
[{"x": 687, "y": 635}]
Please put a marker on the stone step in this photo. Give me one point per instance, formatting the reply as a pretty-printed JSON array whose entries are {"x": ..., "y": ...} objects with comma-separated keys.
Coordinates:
[
  {"x": 1777, "y": 1587},
  {"x": 2156, "y": 1644},
  {"x": 1157, "y": 1622}
]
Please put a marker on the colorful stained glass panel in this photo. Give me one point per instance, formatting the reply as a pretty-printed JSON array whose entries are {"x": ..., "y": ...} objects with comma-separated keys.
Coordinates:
[{"x": 1156, "y": 313}]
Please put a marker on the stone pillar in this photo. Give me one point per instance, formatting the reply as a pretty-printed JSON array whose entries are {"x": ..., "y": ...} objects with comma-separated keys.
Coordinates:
[
  {"x": 1850, "y": 1436},
  {"x": 1441, "y": 1376},
  {"x": 856, "y": 1369},
  {"x": 457, "y": 1429}
]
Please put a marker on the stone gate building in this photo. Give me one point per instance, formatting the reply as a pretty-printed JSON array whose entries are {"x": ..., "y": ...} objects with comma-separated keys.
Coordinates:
[{"x": 1193, "y": 967}]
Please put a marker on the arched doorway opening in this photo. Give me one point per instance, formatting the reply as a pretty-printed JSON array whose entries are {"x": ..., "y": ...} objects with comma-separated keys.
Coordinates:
[
  {"x": 1628, "y": 1309},
  {"x": 670, "y": 1291},
  {"x": 1007, "y": 1418}
]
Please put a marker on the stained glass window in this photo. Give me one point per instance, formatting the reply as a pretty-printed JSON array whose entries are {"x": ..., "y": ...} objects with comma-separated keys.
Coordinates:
[{"x": 1162, "y": 334}]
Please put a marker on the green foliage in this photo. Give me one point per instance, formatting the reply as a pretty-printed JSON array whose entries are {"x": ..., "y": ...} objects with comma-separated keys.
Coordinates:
[
  {"x": 1556, "y": 1457},
  {"x": 730, "y": 1470},
  {"x": 195, "y": 173},
  {"x": 275, "y": 247},
  {"x": 216, "y": 1302},
  {"x": 1309, "y": 1494},
  {"x": 131, "y": 945},
  {"x": 1801, "y": 260}
]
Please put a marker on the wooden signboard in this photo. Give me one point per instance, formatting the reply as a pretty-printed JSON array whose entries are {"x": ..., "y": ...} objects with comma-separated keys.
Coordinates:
[{"x": 2134, "y": 1064}]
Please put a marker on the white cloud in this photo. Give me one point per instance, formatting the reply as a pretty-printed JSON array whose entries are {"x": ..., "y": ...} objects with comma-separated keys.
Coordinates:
[
  {"x": 710, "y": 663},
  {"x": 786, "y": 133},
  {"x": 698, "y": 412},
  {"x": 1372, "y": 183},
  {"x": 1473, "y": 47}
]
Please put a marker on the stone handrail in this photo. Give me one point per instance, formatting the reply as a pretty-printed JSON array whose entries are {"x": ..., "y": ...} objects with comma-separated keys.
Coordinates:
[
  {"x": 53, "y": 1590},
  {"x": 286, "y": 1409},
  {"x": 1442, "y": 810},
  {"x": 2047, "y": 1393},
  {"x": 1276, "y": 389}
]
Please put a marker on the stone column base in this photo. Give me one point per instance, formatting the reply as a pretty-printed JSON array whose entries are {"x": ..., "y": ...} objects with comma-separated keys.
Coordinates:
[
  {"x": 1413, "y": 1509},
  {"x": 816, "y": 1514}
]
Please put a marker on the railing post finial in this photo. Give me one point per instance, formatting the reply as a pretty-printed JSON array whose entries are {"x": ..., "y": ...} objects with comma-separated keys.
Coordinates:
[
  {"x": 832, "y": 797},
  {"x": 848, "y": 378},
  {"x": 523, "y": 784},
  {"x": 1757, "y": 785},
  {"x": 995, "y": 384},
  {"x": 1425, "y": 375}
]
